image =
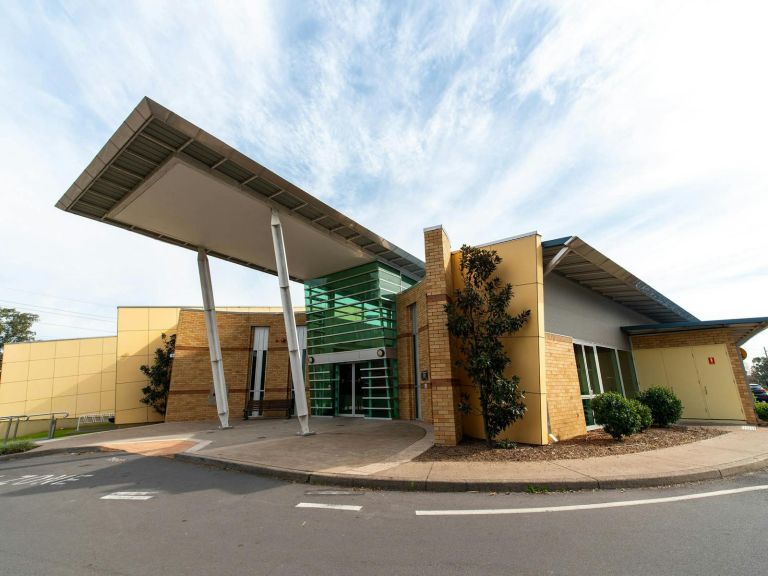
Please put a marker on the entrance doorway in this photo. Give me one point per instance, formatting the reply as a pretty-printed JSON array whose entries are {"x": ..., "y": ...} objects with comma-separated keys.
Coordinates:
[{"x": 350, "y": 390}]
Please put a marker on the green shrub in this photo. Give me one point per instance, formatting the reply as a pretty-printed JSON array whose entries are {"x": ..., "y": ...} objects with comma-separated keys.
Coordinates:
[
  {"x": 762, "y": 410},
  {"x": 666, "y": 408},
  {"x": 617, "y": 415},
  {"x": 646, "y": 417},
  {"x": 16, "y": 446}
]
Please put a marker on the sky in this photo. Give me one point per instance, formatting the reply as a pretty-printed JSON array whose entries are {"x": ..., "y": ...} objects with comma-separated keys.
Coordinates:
[{"x": 638, "y": 126}]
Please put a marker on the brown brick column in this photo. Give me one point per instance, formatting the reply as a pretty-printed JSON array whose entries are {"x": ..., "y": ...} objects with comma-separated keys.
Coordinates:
[{"x": 445, "y": 387}]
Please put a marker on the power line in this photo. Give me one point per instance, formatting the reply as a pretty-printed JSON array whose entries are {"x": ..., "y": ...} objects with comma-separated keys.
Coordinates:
[
  {"x": 53, "y": 310},
  {"x": 101, "y": 305},
  {"x": 75, "y": 327}
]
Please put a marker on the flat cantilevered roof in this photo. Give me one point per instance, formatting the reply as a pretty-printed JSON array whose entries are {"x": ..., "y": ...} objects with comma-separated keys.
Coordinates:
[
  {"x": 576, "y": 260},
  {"x": 162, "y": 176},
  {"x": 742, "y": 329}
]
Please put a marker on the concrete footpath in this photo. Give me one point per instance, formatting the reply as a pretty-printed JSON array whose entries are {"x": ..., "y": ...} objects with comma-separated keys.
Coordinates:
[{"x": 379, "y": 454}]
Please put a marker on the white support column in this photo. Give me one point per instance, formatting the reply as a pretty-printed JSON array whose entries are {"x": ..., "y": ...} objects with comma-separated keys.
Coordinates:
[
  {"x": 214, "y": 346},
  {"x": 294, "y": 353}
]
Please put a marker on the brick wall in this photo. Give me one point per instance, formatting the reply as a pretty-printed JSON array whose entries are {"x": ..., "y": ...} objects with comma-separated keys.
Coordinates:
[
  {"x": 566, "y": 413},
  {"x": 415, "y": 296},
  {"x": 192, "y": 378},
  {"x": 704, "y": 338},
  {"x": 444, "y": 384}
]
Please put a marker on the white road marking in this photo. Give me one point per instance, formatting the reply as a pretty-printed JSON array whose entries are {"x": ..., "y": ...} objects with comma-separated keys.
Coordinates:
[
  {"x": 329, "y": 506},
  {"x": 129, "y": 496},
  {"x": 749, "y": 428},
  {"x": 43, "y": 479},
  {"x": 590, "y": 506},
  {"x": 333, "y": 493}
]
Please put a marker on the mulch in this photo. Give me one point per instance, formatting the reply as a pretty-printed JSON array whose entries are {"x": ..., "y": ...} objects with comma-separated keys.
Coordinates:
[{"x": 594, "y": 443}]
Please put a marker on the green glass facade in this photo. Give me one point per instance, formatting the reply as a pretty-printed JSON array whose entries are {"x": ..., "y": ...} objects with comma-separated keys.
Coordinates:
[{"x": 348, "y": 311}]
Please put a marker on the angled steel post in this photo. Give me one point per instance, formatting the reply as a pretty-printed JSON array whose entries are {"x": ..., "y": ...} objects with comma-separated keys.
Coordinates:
[
  {"x": 214, "y": 346},
  {"x": 297, "y": 369}
]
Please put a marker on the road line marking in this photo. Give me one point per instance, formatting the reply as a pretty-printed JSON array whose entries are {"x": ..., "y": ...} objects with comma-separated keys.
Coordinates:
[
  {"x": 589, "y": 506},
  {"x": 129, "y": 496},
  {"x": 333, "y": 493},
  {"x": 329, "y": 506}
]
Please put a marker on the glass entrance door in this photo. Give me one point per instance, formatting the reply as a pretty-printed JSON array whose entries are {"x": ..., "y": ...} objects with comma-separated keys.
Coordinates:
[{"x": 350, "y": 390}]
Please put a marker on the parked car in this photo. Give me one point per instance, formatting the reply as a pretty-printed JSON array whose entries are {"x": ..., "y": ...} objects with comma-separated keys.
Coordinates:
[{"x": 759, "y": 393}]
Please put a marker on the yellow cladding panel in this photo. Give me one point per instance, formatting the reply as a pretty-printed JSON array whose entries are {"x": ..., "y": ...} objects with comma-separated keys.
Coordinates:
[
  {"x": 649, "y": 367},
  {"x": 42, "y": 369},
  {"x": 518, "y": 260},
  {"x": 132, "y": 416},
  {"x": 88, "y": 384},
  {"x": 13, "y": 392},
  {"x": 532, "y": 429},
  {"x": 153, "y": 416},
  {"x": 526, "y": 361},
  {"x": 65, "y": 386},
  {"x": 684, "y": 380},
  {"x": 42, "y": 350},
  {"x": 109, "y": 363},
  {"x": 64, "y": 404},
  {"x": 37, "y": 389},
  {"x": 40, "y": 406},
  {"x": 66, "y": 367},
  {"x": 155, "y": 341},
  {"x": 91, "y": 346},
  {"x": 108, "y": 401},
  {"x": 716, "y": 376},
  {"x": 132, "y": 343},
  {"x": 12, "y": 408},
  {"x": 16, "y": 352},
  {"x": 108, "y": 380},
  {"x": 110, "y": 346},
  {"x": 89, "y": 365},
  {"x": 14, "y": 372},
  {"x": 67, "y": 348},
  {"x": 163, "y": 319},
  {"x": 132, "y": 319},
  {"x": 88, "y": 403},
  {"x": 527, "y": 298},
  {"x": 128, "y": 369},
  {"x": 128, "y": 396}
]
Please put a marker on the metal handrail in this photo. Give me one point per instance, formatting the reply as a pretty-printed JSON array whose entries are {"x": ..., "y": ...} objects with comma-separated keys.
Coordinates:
[{"x": 26, "y": 418}]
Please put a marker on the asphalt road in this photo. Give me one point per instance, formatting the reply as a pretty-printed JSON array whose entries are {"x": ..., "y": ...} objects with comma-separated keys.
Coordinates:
[{"x": 162, "y": 517}]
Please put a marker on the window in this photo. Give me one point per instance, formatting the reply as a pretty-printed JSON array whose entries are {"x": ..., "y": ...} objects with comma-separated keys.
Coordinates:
[{"x": 259, "y": 363}]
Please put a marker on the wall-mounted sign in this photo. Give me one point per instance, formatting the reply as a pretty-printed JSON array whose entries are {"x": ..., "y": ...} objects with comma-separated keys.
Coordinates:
[{"x": 711, "y": 359}]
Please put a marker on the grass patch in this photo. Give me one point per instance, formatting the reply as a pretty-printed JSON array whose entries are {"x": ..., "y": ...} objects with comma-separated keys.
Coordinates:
[
  {"x": 533, "y": 489},
  {"x": 16, "y": 446}
]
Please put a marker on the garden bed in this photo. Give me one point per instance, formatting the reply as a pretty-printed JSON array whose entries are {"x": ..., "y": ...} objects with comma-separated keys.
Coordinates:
[{"x": 595, "y": 443}]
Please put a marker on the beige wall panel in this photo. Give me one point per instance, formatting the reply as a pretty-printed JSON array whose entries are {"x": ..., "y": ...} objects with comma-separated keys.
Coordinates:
[
  {"x": 722, "y": 395},
  {"x": 128, "y": 396},
  {"x": 88, "y": 403},
  {"x": 14, "y": 372},
  {"x": 107, "y": 401},
  {"x": 67, "y": 348},
  {"x": 128, "y": 369},
  {"x": 107, "y": 380},
  {"x": 13, "y": 392},
  {"x": 64, "y": 404},
  {"x": 11, "y": 409},
  {"x": 132, "y": 343},
  {"x": 532, "y": 429},
  {"x": 16, "y": 352},
  {"x": 163, "y": 318},
  {"x": 526, "y": 362},
  {"x": 89, "y": 365},
  {"x": 154, "y": 341},
  {"x": 132, "y": 319},
  {"x": 649, "y": 366},
  {"x": 42, "y": 350},
  {"x": 684, "y": 380},
  {"x": 519, "y": 262},
  {"x": 109, "y": 363},
  {"x": 527, "y": 298},
  {"x": 39, "y": 369},
  {"x": 110, "y": 346},
  {"x": 37, "y": 389},
  {"x": 65, "y": 386},
  {"x": 132, "y": 416},
  {"x": 153, "y": 416},
  {"x": 66, "y": 367},
  {"x": 88, "y": 384},
  {"x": 40, "y": 406},
  {"x": 91, "y": 347}
]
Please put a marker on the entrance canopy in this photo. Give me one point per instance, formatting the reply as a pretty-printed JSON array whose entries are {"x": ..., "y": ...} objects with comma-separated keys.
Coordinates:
[
  {"x": 162, "y": 176},
  {"x": 741, "y": 329}
]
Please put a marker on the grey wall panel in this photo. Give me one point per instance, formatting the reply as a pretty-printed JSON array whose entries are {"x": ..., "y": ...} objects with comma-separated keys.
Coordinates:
[{"x": 572, "y": 310}]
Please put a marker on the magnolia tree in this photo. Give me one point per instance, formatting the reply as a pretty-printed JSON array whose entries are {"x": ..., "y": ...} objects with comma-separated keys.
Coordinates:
[
  {"x": 478, "y": 317},
  {"x": 159, "y": 376}
]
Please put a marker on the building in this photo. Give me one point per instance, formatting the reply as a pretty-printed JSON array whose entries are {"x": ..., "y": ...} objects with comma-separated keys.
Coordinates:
[{"x": 374, "y": 317}]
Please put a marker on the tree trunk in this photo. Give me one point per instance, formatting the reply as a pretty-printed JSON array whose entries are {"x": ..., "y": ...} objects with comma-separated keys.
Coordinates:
[{"x": 484, "y": 408}]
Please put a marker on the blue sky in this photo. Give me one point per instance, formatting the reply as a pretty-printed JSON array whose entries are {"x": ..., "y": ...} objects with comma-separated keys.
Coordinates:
[{"x": 639, "y": 126}]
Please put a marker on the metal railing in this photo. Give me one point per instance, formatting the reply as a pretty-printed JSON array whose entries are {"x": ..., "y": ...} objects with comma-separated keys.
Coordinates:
[
  {"x": 96, "y": 418},
  {"x": 13, "y": 422}
]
